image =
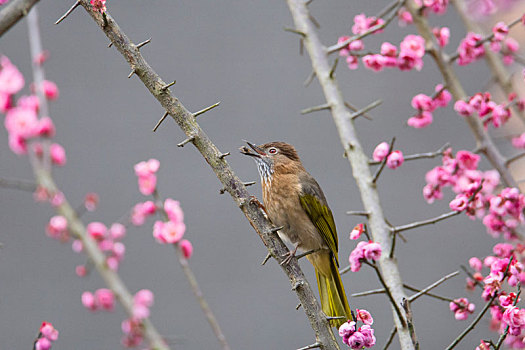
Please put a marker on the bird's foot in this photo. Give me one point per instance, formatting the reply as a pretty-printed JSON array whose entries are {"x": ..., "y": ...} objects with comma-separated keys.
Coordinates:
[{"x": 288, "y": 256}]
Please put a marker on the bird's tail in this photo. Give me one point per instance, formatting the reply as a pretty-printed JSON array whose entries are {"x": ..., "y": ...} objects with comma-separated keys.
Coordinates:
[{"x": 333, "y": 296}]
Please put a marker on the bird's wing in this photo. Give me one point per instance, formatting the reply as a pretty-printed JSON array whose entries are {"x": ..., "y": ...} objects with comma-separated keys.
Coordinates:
[{"x": 314, "y": 204}]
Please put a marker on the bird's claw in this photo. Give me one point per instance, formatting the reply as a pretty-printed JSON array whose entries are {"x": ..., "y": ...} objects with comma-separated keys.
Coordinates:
[{"x": 288, "y": 257}]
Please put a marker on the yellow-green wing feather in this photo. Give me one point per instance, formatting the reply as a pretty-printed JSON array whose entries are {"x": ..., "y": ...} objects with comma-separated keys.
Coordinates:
[{"x": 322, "y": 218}]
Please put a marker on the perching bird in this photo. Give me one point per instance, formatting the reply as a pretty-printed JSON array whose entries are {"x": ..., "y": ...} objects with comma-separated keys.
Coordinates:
[{"x": 295, "y": 201}]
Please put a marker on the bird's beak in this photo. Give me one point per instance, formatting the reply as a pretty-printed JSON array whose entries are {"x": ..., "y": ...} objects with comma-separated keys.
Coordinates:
[{"x": 246, "y": 151}]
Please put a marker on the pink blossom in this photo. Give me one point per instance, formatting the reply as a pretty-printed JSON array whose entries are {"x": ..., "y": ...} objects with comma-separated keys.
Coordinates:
[
  {"x": 57, "y": 199},
  {"x": 356, "y": 340},
  {"x": 381, "y": 151},
  {"x": 144, "y": 169},
  {"x": 88, "y": 300},
  {"x": 144, "y": 297},
  {"x": 41, "y": 57},
  {"x": 423, "y": 103},
  {"x": 11, "y": 80},
  {"x": 374, "y": 62},
  {"x": 81, "y": 270},
  {"x": 511, "y": 45},
  {"x": 42, "y": 344},
  {"x": 105, "y": 299},
  {"x": 352, "y": 62},
  {"x": 356, "y": 45},
  {"x": 467, "y": 160},
  {"x": 347, "y": 329},
  {"x": 514, "y": 317},
  {"x": 98, "y": 5},
  {"x": 97, "y": 230},
  {"x": 500, "y": 31},
  {"x": 500, "y": 115},
  {"x": 363, "y": 23},
  {"x": 57, "y": 228},
  {"x": 50, "y": 90},
  {"x": 29, "y": 102},
  {"x": 420, "y": 120},
  {"x": 503, "y": 250},
  {"x": 345, "y": 51},
  {"x": 508, "y": 300},
  {"x": 117, "y": 231},
  {"x": 459, "y": 203},
  {"x": 140, "y": 312},
  {"x": 5, "y": 102},
  {"x": 519, "y": 142},
  {"x": 187, "y": 248},
  {"x": 437, "y": 6},
  {"x": 118, "y": 250},
  {"x": 58, "y": 154},
  {"x": 22, "y": 122},
  {"x": 395, "y": 159},
  {"x": 414, "y": 44},
  {"x": 91, "y": 201},
  {"x": 442, "y": 35},
  {"x": 173, "y": 210},
  {"x": 357, "y": 231},
  {"x": 77, "y": 246},
  {"x": 463, "y": 108},
  {"x": 461, "y": 308},
  {"x": 368, "y": 334},
  {"x": 45, "y": 127},
  {"x": 364, "y": 316},
  {"x": 408, "y": 60},
  {"x": 387, "y": 49},
  {"x": 404, "y": 17},
  {"x": 49, "y": 331},
  {"x": 168, "y": 232},
  {"x": 469, "y": 50},
  {"x": 475, "y": 264},
  {"x": 372, "y": 250},
  {"x": 141, "y": 211},
  {"x": 356, "y": 256}
]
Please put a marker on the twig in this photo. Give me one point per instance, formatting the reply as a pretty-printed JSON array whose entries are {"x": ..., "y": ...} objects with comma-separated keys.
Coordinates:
[
  {"x": 390, "y": 338},
  {"x": 295, "y": 31},
  {"x": 435, "y": 154},
  {"x": 514, "y": 158},
  {"x": 363, "y": 110},
  {"x": 249, "y": 183},
  {"x": 476, "y": 282},
  {"x": 253, "y": 210},
  {"x": 355, "y": 109},
  {"x": 432, "y": 295},
  {"x": 145, "y": 42},
  {"x": 369, "y": 292},
  {"x": 188, "y": 140},
  {"x": 316, "y": 108},
  {"x": 358, "y": 213},
  {"x": 311, "y": 346},
  {"x": 266, "y": 258},
  {"x": 432, "y": 286},
  {"x": 388, "y": 293},
  {"x": 22, "y": 185},
  {"x": 410, "y": 226},
  {"x": 383, "y": 162},
  {"x": 334, "y": 66},
  {"x": 71, "y": 9},
  {"x": 370, "y": 30},
  {"x": 480, "y": 315},
  {"x": 167, "y": 86},
  {"x": 14, "y": 11},
  {"x": 309, "y": 79},
  {"x": 344, "y": 270},
  {"x": 206, "y": 109},
  {"x": 410, "y": 322}
]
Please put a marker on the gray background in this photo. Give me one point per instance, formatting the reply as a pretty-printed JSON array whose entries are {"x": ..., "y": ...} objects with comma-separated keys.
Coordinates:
[{"x": 238, "y": 53}]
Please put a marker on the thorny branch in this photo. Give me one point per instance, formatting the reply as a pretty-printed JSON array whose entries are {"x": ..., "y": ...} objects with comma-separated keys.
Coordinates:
[
  {"x": 13, "y": 12},
  {"x": 251, "y": 208}
]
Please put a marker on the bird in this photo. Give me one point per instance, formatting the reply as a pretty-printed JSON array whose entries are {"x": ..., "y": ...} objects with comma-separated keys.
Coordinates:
[{"x": 295, "y": 202}]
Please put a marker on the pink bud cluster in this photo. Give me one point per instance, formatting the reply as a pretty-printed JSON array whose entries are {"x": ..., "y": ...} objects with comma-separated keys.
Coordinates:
[
  {"x": 145, "y": 172},
  {"x": 461, "y": 308},
  {"x": 132, "y": 327},
  {"x": 21, "y": 121},
  {"x": 57, "y": 228},
  {"x": 364, "y": 251},
  {"x": 102, "y": 299},
  {"x": 393, "y": 159},
  {"x": 488, "y": 110},
  {"x": 425, "y": 105},
  {"x": 500, "y": 213},
  {"x": 141, "y": 211},
  {"x": 409, "y": 56},
  {"x": 357, "y": 231},
  {"x": 470, "y": 49},
  {"x": 358, "y": 338},
  {"x": 98, "y": 5},
  {"x": 46, "y": 336}
]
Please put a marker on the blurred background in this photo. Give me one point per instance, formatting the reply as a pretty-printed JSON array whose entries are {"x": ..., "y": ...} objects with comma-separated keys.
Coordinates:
[{"x": 235, "y": 52}]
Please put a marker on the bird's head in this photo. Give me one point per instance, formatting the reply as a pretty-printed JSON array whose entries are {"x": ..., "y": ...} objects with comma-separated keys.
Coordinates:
[{"x": 270, "y": 156}]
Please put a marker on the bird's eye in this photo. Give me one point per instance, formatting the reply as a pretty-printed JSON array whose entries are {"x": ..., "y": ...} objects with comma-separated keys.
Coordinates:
[{"x": 272, "y": 150}]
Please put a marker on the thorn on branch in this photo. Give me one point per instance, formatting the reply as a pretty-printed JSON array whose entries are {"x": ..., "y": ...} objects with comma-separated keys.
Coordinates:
[
  {"x": 160, "y": 121},
  {"x": 266, "y": 258},
  {"x": 408, "y": 312},
  {"x": 131, "y": 73},
  {"x": 71, "y": 9},
  {"x": 358, "y": 213},
  {"x": 354, "y": 109},
  {"x": 316, "y": 108},
  {"x": 314, "y": 21},
  {"x": 292, "y": 30},
  {"x": 206, "y": 109},
  {"x": 223, "y": 155},
  {"x": 167, "y": 86},
  {"x": 309, "y": 79},
  {"x": 143, "y": 43},
  {"x": 189, "y": 139},
  {"x": 297, "y": 284},
  {"x": 362, "y": 111},
  {"x": 311, "y": 346},
  {"x": 298, "y": 306},
  {"x": 110, "y": 44},
  {"x": 302, "y": 255},
  {"x": 18, "y": 184},
  {"x": 275, "y": 229},
  {"x": 334, "y": 66}
]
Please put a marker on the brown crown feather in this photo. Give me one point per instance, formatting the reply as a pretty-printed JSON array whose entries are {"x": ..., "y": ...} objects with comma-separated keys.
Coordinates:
[{"x": 284, "y": 148}]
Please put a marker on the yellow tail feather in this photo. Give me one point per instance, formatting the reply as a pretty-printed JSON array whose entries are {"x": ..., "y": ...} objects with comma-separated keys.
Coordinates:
[{"x": 333, "y": 296}]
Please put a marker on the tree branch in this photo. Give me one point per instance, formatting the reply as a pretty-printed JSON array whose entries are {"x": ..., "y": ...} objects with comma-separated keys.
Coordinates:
[
  {"x": 252, "y": 209},
  {"x": 432, "y": 286},
  {"x": 357, "y": 158},
  {"x": 410, "y": 226},
  {"x": 13, "y": 12}
]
